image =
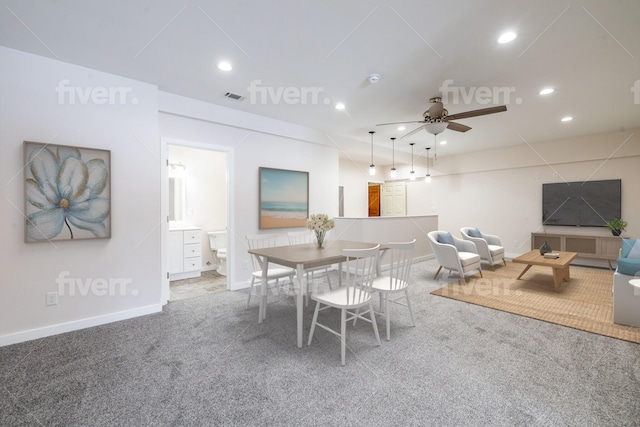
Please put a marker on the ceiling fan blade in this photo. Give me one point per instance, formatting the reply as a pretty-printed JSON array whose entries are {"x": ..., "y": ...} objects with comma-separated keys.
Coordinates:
[
  {"x": 416, "y": 130},
  {"x": 474, "y": 113},
  {"x": 457, "y": 127},
  {"x": 400, "y": 123}
]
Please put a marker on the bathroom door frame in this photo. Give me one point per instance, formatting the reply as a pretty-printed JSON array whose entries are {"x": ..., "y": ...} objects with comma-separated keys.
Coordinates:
[{"x": 165, "y": 142}]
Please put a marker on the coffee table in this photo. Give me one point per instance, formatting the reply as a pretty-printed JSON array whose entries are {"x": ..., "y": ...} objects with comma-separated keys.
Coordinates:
[{"x": 559, "y": 265}]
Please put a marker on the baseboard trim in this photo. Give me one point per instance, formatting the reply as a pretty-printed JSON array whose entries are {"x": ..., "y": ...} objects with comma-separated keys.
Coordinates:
[{"x": 75, "y": 325}]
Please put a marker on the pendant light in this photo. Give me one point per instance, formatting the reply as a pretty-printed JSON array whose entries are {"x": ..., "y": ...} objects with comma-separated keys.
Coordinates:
[
  {"x": 393, "y": 157},
  {"x": 427, "y": 178},
  {"x": 412, "y": 174},
  {"x": 372, "y": 167}
]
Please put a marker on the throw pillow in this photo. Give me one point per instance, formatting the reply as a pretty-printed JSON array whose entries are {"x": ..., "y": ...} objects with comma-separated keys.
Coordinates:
[
  {"x": 628, "y": 266},
  {"x": 474, "y": 232},
  {"x": 627, "y": 244},
  {"x": 635, "y": 250},
  {"x": 445, "y": 238}
]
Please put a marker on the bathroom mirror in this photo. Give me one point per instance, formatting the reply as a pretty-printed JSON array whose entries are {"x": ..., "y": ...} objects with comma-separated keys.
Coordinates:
[{"x": 176, "y": 198}]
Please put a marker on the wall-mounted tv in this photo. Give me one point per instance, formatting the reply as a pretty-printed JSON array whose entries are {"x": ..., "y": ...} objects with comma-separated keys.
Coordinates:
[{"x": 581, "y": 204}]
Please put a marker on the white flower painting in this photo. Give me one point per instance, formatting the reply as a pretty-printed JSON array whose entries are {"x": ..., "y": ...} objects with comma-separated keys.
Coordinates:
[{"x": 67, "y": 193}]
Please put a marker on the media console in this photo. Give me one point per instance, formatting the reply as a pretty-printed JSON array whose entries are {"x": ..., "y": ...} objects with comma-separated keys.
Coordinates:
[{"x": 595, "y": 247}]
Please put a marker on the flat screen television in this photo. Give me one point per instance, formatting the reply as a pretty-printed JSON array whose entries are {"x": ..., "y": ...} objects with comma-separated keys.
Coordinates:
[{"x": 581, "y": 204}]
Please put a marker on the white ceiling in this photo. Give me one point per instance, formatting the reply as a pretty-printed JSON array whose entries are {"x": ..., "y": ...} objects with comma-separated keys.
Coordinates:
[{"x": 589, "y": 51}]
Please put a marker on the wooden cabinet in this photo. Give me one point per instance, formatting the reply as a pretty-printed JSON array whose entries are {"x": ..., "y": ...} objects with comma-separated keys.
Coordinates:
[
  {"x": 594, "y": 247},
  {"x": 185, "y": 253}
]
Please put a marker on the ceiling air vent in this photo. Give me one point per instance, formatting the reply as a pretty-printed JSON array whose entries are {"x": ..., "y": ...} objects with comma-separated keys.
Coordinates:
[{"x": 234, "y": 96}]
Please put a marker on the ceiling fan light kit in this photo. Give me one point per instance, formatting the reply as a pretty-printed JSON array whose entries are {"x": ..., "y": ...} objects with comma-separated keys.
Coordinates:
[{"x": 436, "y": 127}]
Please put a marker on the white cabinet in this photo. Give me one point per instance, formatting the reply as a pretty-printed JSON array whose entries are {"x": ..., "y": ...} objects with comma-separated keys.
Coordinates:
[{"x": 185, "y": 253}]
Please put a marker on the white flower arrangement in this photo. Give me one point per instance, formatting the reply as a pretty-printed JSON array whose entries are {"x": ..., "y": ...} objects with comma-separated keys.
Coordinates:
[{"x": 320, "y": 224}]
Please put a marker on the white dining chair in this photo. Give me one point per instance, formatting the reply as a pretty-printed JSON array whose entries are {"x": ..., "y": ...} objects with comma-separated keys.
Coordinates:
[
  {"x": 356, "y": 294},
  {"x": 274, "y": 273},
  {"x": 394, "y": 286}
]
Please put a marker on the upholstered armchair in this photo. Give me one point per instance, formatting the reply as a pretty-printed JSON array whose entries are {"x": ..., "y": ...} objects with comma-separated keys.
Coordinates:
[
  {"x": 455, "y": 254},
  {"x": 489, "y": 246},
  {"x": 626, "y": 297}
]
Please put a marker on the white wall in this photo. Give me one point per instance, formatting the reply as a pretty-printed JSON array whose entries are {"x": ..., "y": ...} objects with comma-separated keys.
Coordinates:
[
  {"x": 389, "y": 229},
  {"x": 253, "y": 142},
  {"x": 31, "y": 109},
  {"x": 354, "y": 178}
]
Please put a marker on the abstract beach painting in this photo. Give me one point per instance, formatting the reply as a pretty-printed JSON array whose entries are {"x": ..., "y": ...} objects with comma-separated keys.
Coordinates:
[
  {"x": 284, "y": 198},
  {"x": 67, "y": 192}
]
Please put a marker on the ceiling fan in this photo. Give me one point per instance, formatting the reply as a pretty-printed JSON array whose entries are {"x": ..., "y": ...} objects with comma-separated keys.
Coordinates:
[{"x": 437, "y": 118}]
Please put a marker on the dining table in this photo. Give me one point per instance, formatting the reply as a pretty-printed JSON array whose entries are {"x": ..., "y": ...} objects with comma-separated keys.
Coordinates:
[{"x": 301, "y": 257}]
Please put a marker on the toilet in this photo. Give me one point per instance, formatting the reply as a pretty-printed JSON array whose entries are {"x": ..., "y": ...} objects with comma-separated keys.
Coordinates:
[{"x": 218, "y": 244}]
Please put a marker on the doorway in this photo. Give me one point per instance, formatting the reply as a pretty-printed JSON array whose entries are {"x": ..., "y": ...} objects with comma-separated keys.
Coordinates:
[
  {"x": 393, "y": 200},
  {"x": 374, "y": 199},
  {"x": 197, "y": 200}
]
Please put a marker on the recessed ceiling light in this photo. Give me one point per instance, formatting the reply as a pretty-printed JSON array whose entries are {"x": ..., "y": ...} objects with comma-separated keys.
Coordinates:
[
  {"x": 340, "y": 106},
  {"x": 507, "y": 37},
  {"x": 443, "y": 142},
  {"x": 224, "y": 66},
  {"x": 546, "y": 91},
  {"x": 567, "y": 119},
  {"x": 401, "y": 128}
]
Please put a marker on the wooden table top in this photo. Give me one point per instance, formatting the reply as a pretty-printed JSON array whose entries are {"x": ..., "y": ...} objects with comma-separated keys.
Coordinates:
[
  {"x": 309, "y": 254},
  {"x": 534, "y": 258}
]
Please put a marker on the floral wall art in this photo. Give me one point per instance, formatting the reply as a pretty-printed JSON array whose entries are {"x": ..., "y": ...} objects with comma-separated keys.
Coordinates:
[{"x": 67, "y": 192}]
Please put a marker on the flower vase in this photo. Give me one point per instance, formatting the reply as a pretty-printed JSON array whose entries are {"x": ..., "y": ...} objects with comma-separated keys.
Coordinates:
[
  {"x": 320, "y": 238},
  {"x": 545, "y": 248}
]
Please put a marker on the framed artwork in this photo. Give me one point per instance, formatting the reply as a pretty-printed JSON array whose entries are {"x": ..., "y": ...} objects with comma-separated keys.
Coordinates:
[
  {"x": 284, "y": 198},
  {"x": 67, "y": 193}
]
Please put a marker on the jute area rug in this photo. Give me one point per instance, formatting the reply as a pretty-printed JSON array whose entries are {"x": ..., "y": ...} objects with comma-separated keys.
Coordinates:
[{"x": 585, "y": 302}]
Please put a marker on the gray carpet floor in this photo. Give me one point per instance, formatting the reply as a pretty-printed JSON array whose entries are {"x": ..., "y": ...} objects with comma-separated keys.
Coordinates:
[{"x": 206, "y": 361}]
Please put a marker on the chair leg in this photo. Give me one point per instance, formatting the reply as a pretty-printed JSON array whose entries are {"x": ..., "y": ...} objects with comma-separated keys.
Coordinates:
[
  {"x": 373, "y": 322},
  {"x": 313, "y": 322},
  {"x": 343, "y": 333},
  {"x": 306, "y": 291},
  {"x": 406, "y": 294},
  {"x": 504, "y": 262},
  {"x": 437, "y": 272},
  {"x": 253, "y": 279},
  {"x": 387, "y": 315}
]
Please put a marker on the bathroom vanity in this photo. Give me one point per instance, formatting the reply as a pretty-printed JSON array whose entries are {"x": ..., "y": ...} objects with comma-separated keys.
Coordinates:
[{"x": 185, "y": 252}]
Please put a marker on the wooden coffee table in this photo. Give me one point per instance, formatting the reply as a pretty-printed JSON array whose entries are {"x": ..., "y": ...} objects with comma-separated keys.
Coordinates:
[{"x": 559, "y": 265}]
